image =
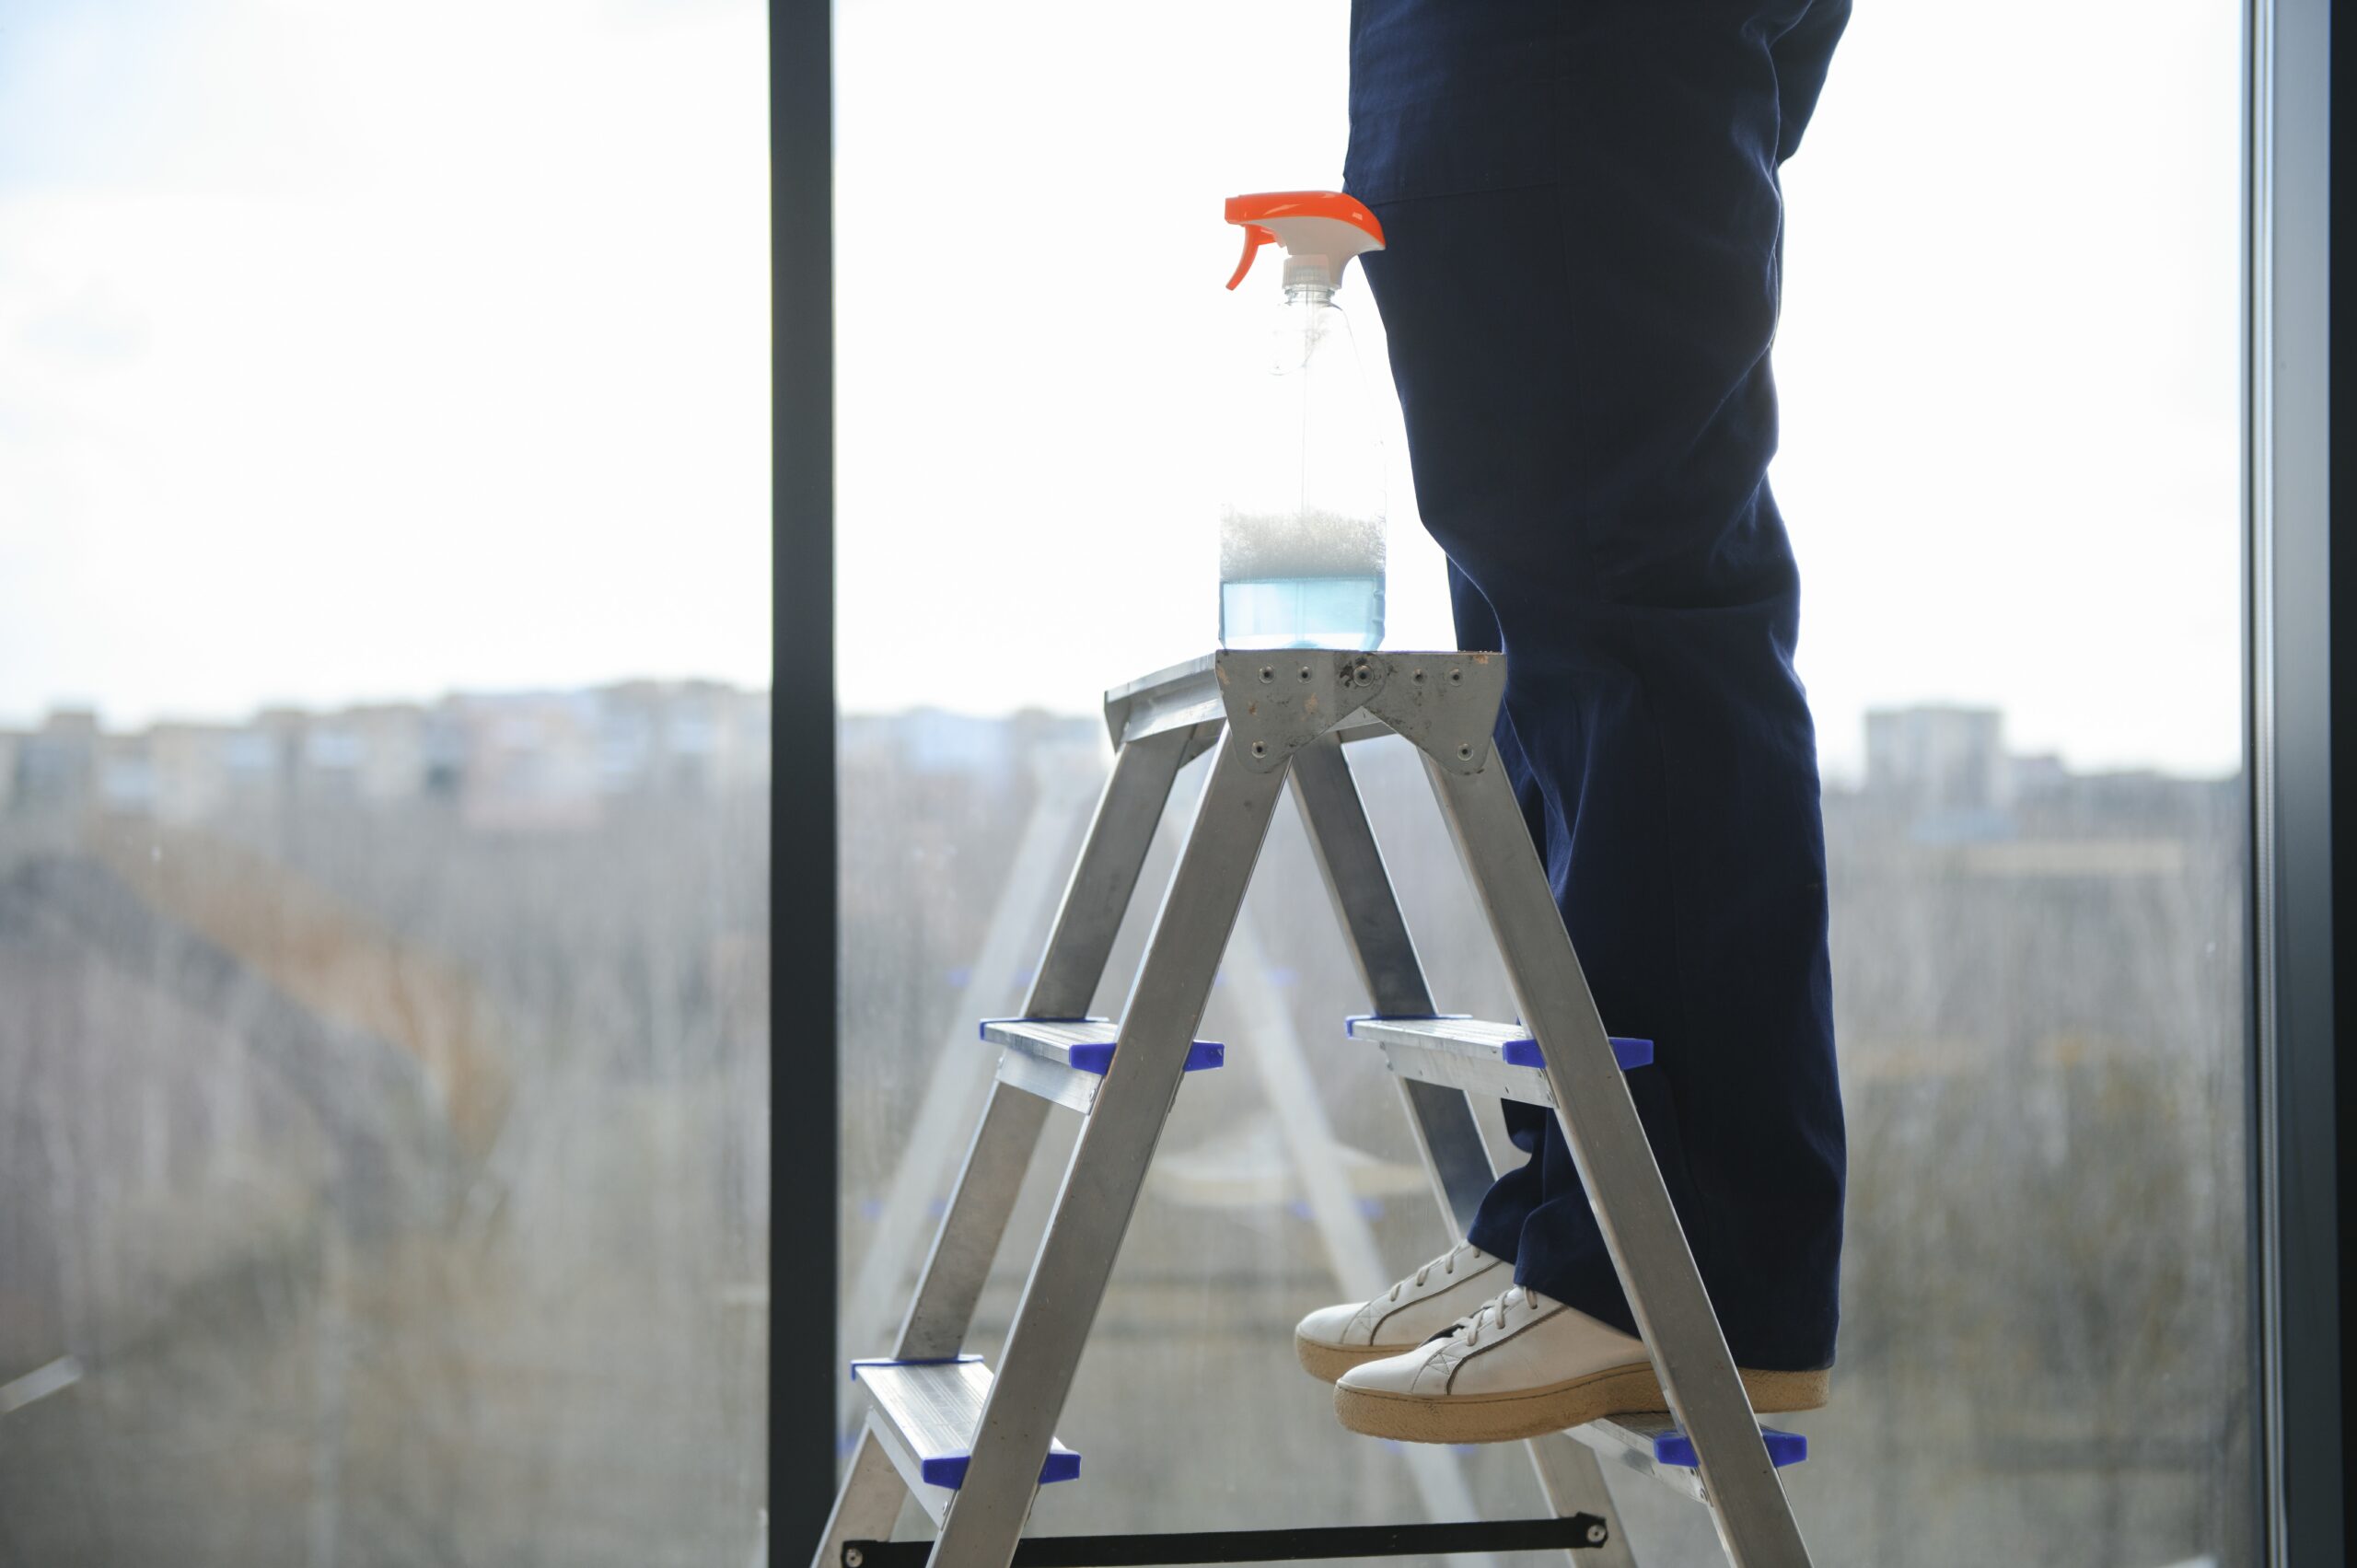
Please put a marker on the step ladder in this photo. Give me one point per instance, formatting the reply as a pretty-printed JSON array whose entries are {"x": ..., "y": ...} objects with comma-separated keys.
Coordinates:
[{"x": 972, "y": 1447}]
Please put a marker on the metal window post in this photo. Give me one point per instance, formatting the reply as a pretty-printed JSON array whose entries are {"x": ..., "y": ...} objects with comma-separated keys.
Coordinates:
[
  {"x": 2297, "y": 591},
  {"x": 803, "y": 1116}
]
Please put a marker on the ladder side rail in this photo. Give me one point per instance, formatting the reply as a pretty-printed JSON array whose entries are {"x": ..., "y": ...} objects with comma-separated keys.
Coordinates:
[
  {"x": 867, "y": 1505},
  {"x": 1571, "y": 1477},
  {"x": 973, "y": 1225},
  {"x": 1105, "y": 878},
  {"x": 1616, "y": 1165},
  {"x": 1088, "y": 918},
  {"x": 1341, "y": 838},
  {"x": 957, "y": 1085},
  {"x": 1343, "y": 841},
  {"x": 1108, "y": 1165}
]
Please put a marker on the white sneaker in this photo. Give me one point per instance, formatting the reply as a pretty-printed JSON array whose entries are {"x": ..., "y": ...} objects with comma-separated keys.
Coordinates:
[
  {"x": 1522, "y": 1364},
  {"x": 1332, "y": 1340}
]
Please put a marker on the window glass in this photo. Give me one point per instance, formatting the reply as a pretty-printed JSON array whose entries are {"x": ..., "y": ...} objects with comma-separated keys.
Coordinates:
[
  {"x": 384, "y": 746},
  {"x": 2008, "y": 370}
]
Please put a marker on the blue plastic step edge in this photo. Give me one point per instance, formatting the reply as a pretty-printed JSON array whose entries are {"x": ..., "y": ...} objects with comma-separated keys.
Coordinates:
[
  {"x": 948, "y": 1470},
  {"x": 913, "y": 1361},
  {"x": 1673, "y": 1448},
  {"x": 1096, "y": 1057},
  {"x": 1627, "y": 1053},
  {"x": 1515, "y": 1052},
  {"x": 1201, "y": 1055}
]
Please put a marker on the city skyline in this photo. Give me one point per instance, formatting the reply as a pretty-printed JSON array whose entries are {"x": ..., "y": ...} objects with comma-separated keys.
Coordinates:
[{"x": 611, "y": 735}]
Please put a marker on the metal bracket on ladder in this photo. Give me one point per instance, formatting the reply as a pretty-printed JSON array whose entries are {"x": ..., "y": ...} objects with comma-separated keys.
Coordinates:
[{"x": 975, "y": 1449}]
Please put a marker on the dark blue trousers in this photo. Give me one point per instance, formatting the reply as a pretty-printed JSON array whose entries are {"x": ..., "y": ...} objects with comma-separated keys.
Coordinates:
[{"x": 1583, "y": 220}]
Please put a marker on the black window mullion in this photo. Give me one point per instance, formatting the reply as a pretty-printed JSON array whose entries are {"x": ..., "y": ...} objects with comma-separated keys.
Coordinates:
[{"x": 804, "y": 1113}]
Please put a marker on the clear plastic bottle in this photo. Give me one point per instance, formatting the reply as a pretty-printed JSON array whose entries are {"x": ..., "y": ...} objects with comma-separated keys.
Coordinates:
[{"x": 1301, "y": 523}]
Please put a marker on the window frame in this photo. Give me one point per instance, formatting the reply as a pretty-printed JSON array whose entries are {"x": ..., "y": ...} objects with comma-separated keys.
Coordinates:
[
  {"x": 805, "y": 1113},
  {"x": 2298, "y": 596}
]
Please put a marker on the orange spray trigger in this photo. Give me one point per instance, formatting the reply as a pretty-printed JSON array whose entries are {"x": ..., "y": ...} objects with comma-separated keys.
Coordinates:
[
  {"x": 1320, "y": 231},
  {"x": 1254, "y": 238}
]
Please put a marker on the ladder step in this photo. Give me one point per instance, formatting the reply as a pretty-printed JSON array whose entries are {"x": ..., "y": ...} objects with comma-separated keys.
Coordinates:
[
  {"x": 925, "y": 1414},
  {"x": 1652, "y": 1444},
  {"x": 1066, "y": 1060},
  {"x": 1476, "y": 1055}
]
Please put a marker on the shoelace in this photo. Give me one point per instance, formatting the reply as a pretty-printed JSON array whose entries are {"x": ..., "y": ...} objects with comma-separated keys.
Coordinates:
[
  {"x": 1446, "y": 1263},
  {"x": 1497, "y": 1308}
]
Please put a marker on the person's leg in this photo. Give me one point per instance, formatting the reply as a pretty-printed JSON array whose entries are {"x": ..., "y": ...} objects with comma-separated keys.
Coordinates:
[
  {"x": 1579, "y": 285},
  {"x": 1508, "y": 1205}
]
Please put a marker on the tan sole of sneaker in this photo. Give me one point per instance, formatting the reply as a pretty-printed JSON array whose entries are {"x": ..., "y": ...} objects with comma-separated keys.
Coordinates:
[
  {"x": 1533, "y": 1412},
  {"x": 1328, "y": 1363}
]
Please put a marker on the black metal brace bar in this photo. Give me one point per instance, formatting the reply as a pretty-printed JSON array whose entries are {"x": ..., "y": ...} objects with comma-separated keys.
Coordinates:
[{"x": 1571, "y": 1533}]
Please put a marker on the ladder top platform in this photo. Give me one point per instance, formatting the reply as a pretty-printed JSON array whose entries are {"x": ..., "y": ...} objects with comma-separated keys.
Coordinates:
[{"x": 1191, "y": 692}]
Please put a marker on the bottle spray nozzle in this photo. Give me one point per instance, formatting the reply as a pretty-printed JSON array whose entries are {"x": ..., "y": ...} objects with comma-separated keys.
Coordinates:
[{"x": 1326, "y": 228}]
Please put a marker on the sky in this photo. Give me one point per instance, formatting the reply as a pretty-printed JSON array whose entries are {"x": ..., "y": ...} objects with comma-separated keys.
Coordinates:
[
  {"x": 367, "y": 350},
  {"x": 371, "y": 351}
]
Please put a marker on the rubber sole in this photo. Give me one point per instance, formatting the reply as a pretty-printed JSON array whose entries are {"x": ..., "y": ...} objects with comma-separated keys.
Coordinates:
[
  {"x": 1533, "y": 1412},
  {"x": 1328, "y": 1363}
]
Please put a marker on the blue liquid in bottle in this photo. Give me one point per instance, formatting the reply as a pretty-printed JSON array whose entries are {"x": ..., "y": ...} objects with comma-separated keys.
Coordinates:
[{"x": 1345, "y": 613}]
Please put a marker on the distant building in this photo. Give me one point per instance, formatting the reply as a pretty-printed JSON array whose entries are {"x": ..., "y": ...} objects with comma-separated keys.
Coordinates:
[
  {"x": 1943, "y": 759},
  {"x": 532, "y": 760},
  {"x": 371, "y": 755},
  {"x": 749, "y": 740},
  {"x": 517, "y": 759},
  {"x": 1944, "y": 768},
  {"x": 681, "y": 738},
  {"x": 192, "y": 764},
  {"x": 57, "y": 765},
  {"x": 2042, "y": 773},
  {"x": 928, "y": 742},
  {"x": 201, "y": 768},
  {"x": 126, "y": 776}
]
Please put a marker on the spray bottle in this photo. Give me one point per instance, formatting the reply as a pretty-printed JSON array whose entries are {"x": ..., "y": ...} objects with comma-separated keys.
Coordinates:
[{"x": 1301, "y": 556}]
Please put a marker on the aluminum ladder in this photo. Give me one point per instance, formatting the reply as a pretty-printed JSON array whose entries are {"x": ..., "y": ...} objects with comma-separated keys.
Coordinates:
[{"x": 974, "y": 1448}]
